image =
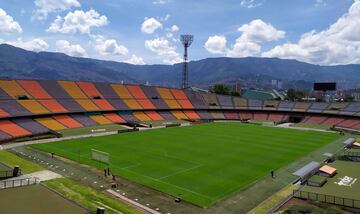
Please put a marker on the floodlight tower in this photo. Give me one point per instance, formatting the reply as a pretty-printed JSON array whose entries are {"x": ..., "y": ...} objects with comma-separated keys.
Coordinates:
[{"x": 186, "y": 41}]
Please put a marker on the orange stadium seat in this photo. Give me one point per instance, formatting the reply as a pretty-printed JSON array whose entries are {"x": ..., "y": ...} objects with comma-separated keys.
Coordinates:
[
  {"x": 13, "y": 89},
  {"x": 121, "y": 91},
  {"x": 191, "y": 114},
  {"x": 34, "y": 89},
  {"x": 153, "y": 115},
  {"x": 115, "y": 118},
  {"x": 13, "y": 129},
  {"x": 33, "y": 106},
  {"x": 89, "y": 89},
  {"x": 172, "y": 104},
  {"x": 185, "y": 103},
  {"x": 50, "y": 123},
  {"x": 88, "y": 105},
  {"x": 100, "y": 119},
  {"x": 72, "y": 89},
  {"x": 146, "y": 104},
  {"x": 141, "y": 116},
  {"x": 52, "y": 105},
  {"x": 67, "y": 121},
  {"x": 136, "y": 91},
  {"x": 179, "y": 115},
  {"x": 3, "y": 113},
  {"x": 165, "y": 93},
  {"x": 179, "y": 94},
  {"x": 133, "y": 104},
  {"x": 103, "y": 104}
]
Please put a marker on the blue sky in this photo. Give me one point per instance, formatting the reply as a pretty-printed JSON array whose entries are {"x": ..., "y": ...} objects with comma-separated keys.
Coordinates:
[{"x": 147, "y": 31}]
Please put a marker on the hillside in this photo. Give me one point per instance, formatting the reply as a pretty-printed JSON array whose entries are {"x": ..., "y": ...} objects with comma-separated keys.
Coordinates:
[{"x": 19, "y": 63}]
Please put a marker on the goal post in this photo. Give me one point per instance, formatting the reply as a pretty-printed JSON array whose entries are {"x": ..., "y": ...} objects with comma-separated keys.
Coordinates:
[{"x": 100, "y": 156}]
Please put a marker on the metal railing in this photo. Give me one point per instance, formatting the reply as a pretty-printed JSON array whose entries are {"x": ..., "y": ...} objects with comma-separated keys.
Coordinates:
[
  {"x": 6, "y": 174},
  {"x": 18, "y": 182},
  {"x": 353, "y": 203}
]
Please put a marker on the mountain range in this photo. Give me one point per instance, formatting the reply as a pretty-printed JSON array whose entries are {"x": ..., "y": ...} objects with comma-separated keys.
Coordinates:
[{"x": 250, "y": 71}]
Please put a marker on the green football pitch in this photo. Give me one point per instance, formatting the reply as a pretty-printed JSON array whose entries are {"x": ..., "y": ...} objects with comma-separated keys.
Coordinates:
[{"x": 203, "y": 163}]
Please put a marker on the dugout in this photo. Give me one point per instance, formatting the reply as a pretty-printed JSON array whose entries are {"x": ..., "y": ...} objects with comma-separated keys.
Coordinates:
[
  {"x": 349, "y": 142},
  {"x": 317, "y": 181},
  {"x": 307, "y": 171}
]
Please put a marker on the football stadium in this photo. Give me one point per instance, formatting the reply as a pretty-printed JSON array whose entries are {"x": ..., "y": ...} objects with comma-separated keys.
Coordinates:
[
  {"x": 104, "y": 111},
  {"x": 167, "y": 150}
]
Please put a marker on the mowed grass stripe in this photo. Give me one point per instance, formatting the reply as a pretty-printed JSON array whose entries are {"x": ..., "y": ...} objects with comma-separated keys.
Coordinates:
[{"x": 203, "y": 163}]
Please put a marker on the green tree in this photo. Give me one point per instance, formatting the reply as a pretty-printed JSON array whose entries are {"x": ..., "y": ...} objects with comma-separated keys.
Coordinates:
[{"x": 220, "y": 89}]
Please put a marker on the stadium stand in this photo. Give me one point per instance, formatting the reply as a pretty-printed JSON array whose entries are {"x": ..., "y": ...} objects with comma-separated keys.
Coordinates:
[
  {"x": 179, "y": 115},
  {"x": 4, "y": 136},
  {"x": 53, "y": 106},
  {"x": 332, "y": 121},
  {"x": 270, "y": 104},
  {"x": 87, "y": 104},
  {"x": 286, "y": 106},
  {"x": 153, "y": 115},
  {"x": 13, "y": 108},
  {"x": 167, "y": 115},
  {"x": 231, "y": 115},
  {"x": 100, "y": 119},
  {"x": 50, "y": 123},
  {"x": 115, "y": 118},
  {"x": 3, "y": 113},
  {"x": 72, "y": 89},
  {"x": 246, "y": 115},
  {"x": 13, "y": 129},
  {"x": 319, "y": 119},
  {"x": 13, "y": 89},
  {"x": 276, "y": 117},
  {"x": 67, "y": 121},
  {"x": 84, "y": 120},
  {"x": 225, "y": 102},
  {"x": 33, "y": 106},
  {"x": 351, "y": 109},
  {"x": 60, "y": 105},
  {"x": 255, "y": 104},
  {"x": 205, "y": 115},
  {"x": 195, "y": 99},
  {"x": 141, "y": 116},
  {"x": 334, "y": 108},
  {"x": 34, "y": 89},
  {"x": 31, "y": 125},
  {"x": 191, "y": 114},
  {"x": 301, "y": 106},
  {"x": 218, "y": 115},
  {"x": 240, "y": 103},
  {"x": 260, "y": 116},
  {"x": 128, "y": 116},
  {"x": 317, "y": 107},
  {"x": 211, "y": 101}
]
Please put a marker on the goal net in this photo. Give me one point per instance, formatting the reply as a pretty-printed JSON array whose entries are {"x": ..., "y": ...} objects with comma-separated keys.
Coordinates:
[{"x": 100, "y": 156}]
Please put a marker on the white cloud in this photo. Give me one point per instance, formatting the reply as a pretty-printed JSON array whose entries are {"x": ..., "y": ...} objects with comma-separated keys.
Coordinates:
[
  {"x": 339, "y": 44},
  {"x": 48, "y": 6},
  {"x": 251, "y": 3},
  {"x": 36, "y": 44},
  {"x": 7, "y": 23},
  {"x": 319, "y": 3},
  {"x": 72, "y": 50},
  {"x": 150, "y": 25},
  {"x": 78, "y": 21},
  {"x": 249, "y": 43},
  {"x": 174, "y": 28},
  {"x": 163, "y": 48},
  {"x": 216, "y": 44},
  {"x": 135, "y": 60},
  {"x": 108, "y": 47},
  {"x": 161, "y": 1},
  {"x": 259, "y": 31}
]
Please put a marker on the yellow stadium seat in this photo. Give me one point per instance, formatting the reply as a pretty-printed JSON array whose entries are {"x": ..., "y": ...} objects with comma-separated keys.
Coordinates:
[
  {"x": 33, "y": 106},
  {"x": 50, "y": 123},
  {"x": 100, "y": 119}
]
